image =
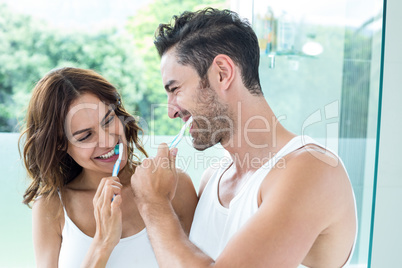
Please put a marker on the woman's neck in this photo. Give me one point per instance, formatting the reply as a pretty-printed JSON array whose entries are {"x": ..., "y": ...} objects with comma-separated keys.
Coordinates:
[{"x": 89, "y": 180}]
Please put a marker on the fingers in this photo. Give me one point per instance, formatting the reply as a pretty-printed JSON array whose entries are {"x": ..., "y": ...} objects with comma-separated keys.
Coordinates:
[
  {"x": 163, "y": 150},
  {"x": 99, "y": 191},
  {"x": 111, "y": 190},
  {"x": 172, "y": 158},
  {"x": 156, "y": 178},
  {"x": 116, "y": 204},
  {"x": 107, "y": 189},
  {"x": 108, "y": 215}
]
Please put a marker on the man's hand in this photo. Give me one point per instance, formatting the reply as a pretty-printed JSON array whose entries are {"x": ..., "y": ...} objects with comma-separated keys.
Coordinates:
[{"x": 155, "y": 180}]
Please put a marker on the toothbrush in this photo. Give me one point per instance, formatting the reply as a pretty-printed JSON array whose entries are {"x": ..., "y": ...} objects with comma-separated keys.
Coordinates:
[
  {"x": 118, "y": 149},
  {"x": 179, "y": 136}
]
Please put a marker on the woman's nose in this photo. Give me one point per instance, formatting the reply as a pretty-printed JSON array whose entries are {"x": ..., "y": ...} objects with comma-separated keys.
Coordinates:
[{"x": 106, "y": 139}]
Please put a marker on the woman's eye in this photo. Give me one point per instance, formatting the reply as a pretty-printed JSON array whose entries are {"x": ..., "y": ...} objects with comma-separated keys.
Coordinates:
[
  {"x": 110, "y": 119},
  {"x": 85, "y": 137}
]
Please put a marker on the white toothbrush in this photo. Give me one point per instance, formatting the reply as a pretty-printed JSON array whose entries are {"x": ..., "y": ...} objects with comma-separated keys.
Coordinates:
[
  {"x": 117, "y": 150},
  {"x": 116, "y": 166},
  {"x": 179, "y": 136}
]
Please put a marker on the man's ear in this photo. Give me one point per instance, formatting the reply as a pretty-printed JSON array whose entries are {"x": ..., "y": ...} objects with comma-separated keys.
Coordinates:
[{"x": 224, "y": 71}]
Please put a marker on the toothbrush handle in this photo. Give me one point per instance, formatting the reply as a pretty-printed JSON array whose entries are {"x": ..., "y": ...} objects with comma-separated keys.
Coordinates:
[
  {"x": 116, "y": 168},
  {"x": 175, "y": 142}
]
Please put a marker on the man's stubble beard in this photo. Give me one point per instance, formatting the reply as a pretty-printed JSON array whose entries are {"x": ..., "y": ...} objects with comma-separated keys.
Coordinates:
[{"x": 213, "y": 121}]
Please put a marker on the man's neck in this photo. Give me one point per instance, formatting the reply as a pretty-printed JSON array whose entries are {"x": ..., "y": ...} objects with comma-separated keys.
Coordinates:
[{"x": 258, "y": 135}]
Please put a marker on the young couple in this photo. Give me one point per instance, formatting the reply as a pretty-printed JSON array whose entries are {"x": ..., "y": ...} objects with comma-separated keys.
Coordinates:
[{"x": 299, "y": 214}]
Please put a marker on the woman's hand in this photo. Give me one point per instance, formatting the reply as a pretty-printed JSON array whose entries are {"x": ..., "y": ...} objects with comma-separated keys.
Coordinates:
[
  {"x": 107, "y": 211},
  {"x": 108, "y": 218}
]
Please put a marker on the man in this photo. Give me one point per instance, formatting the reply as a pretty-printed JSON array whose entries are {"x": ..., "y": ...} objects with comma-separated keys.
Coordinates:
[{"x": 282, "y": 201}]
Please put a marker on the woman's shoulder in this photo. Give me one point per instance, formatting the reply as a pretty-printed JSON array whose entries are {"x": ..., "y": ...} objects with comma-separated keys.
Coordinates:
[
  {"x": 49, "y": 203},
  {"x": 185, "y": 186},
  {"x": 185, "y": 200},
  {"x": 47, "y": 211}
]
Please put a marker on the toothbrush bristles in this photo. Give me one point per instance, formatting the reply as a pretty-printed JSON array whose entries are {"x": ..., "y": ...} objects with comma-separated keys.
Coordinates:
[
  {"x": 179, "y": 136},
  {"x": 120, "y": 150}
]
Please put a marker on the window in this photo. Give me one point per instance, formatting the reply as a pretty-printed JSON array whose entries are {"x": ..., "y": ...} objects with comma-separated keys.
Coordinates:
[{"x": 320, "y": 71}]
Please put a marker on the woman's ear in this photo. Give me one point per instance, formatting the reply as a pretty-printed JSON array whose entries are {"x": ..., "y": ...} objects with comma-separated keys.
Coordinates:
[{"x": 224, "y": 71}]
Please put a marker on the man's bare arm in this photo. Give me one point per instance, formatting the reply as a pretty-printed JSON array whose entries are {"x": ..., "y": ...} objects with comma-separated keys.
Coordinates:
[{"x": 294, "y": 210}]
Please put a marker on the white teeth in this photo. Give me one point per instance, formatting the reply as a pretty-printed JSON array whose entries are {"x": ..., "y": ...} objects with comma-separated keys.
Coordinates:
[{"x": 108, "y": 155}]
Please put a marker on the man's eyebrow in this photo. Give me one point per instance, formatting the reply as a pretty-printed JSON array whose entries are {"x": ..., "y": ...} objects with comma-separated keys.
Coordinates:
[
  {"x": 168, "y": 84},
  {"x": 86, "y": 129}
]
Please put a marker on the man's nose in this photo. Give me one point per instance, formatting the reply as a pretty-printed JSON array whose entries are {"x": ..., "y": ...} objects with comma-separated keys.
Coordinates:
[{"x": 173, "y": 108}]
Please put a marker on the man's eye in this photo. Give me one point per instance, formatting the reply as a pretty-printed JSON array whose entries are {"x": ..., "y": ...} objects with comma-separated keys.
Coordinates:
[{"x": 85, "y": 137}]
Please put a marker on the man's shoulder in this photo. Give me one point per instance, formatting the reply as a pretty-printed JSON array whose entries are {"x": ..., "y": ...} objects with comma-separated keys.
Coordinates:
[
  {"x": 311, "y": 160},
  {"x": 314, "y": 154},
  {"x": 308, "y": 170}
]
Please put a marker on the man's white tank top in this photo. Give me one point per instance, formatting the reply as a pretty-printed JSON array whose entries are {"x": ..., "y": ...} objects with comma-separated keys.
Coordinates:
[
  {"x": 214, "y": 225},
  {"x": 132, "y": 251}
]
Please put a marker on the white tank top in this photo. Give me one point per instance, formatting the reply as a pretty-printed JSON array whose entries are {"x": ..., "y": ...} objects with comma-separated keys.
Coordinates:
[
  {"x": 132, "y": 251},
  {"x": 214, "y": 225}
]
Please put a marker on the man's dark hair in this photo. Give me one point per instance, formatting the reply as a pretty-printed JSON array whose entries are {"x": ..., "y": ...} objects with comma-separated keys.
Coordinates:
[{"x": 200, "y": 36}]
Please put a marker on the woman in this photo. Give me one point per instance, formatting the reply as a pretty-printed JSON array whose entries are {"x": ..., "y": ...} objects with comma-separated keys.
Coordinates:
[{"x": 83, "y": 217}]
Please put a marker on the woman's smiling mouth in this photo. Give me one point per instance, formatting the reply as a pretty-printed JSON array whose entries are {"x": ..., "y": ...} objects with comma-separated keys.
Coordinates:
[{"x": 107, "y": 155}]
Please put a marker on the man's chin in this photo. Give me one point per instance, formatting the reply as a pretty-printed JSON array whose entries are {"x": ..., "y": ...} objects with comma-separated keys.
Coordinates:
[{"x": 201, "y": 146}]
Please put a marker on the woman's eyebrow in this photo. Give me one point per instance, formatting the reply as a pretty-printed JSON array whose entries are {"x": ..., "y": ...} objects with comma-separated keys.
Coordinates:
[
  {"x": 86, "y": 129},
  {"x": 80, "y": 131},
  {"x": 106, "y": 115}
]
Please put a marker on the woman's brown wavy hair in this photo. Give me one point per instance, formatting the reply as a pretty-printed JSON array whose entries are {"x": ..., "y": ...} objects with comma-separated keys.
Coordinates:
[{"x": 44, "y": 140}]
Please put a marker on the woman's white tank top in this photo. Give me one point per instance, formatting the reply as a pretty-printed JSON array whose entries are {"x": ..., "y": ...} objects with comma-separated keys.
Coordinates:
[
  {"x": 132, "y": 251},
  {"x": 213, "y": 224}
]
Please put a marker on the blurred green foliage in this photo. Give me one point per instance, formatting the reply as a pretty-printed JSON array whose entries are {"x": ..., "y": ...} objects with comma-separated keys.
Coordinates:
[
  {"x": 142, "y": 26},
  {"x": 29, "y": 48}
]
